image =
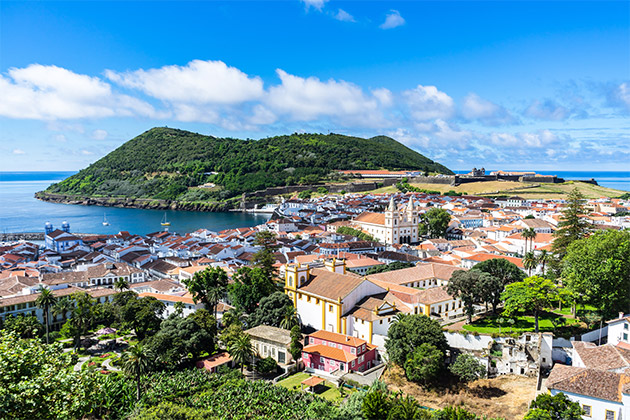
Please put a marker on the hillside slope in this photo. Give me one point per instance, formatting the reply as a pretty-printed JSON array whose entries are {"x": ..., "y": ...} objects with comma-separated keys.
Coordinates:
[{"x": 166, "y": 163}]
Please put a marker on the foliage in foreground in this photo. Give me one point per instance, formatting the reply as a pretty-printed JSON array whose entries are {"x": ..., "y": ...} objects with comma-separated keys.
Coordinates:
[{"x": 546, "y": 407}]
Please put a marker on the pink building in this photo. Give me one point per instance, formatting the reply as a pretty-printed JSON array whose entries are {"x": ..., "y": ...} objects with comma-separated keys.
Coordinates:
[{"x": 328, "y": 351}]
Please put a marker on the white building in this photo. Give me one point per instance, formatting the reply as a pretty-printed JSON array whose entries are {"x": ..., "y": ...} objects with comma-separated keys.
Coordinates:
[{"x": 395, "y": 226}]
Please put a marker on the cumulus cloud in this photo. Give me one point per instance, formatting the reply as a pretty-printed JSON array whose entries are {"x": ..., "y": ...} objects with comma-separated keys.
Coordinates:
[
  {"x": 199, "y": 82},
  {"x": 427, "y": 103},
  {"x": 484, "y": 111},
  {"x": 306, "y": 99},
  {"x": 51, "y": 92},
  {"x": 18, "y": 152},
  {"x": 619, "y": 96},
  {"x": 547, "y": 110},
  {"x": 539, "y": 139},
  {"x": 99, "y": 134},
  {"x": 344, "y": 16},
  {"x": 316, "y": 4},
  {"x": 392, "y": 20}
]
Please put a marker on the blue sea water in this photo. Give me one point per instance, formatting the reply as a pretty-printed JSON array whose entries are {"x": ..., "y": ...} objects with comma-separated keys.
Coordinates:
[
  {"x": 21, "y": 212},
  {"x": 619, "y": 180}
]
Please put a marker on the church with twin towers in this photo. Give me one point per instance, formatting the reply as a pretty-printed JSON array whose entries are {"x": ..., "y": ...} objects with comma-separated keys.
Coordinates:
[{"x": 397, "y": 225}]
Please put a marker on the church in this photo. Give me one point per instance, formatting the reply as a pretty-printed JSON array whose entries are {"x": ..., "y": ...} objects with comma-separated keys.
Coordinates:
[{"x": 398, "y": 225}]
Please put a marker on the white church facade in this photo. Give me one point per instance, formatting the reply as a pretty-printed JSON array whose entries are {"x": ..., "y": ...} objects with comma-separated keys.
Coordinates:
[{"x": 398, "y": 225}]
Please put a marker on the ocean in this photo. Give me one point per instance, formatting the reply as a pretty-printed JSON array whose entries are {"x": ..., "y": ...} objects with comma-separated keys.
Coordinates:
[
  {"x": 21, "y": 212},
  {"x": 618, "y": 180}
]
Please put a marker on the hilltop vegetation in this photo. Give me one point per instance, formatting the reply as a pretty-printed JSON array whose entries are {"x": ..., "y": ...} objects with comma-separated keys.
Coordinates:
[{"x": 168, "y": 164}]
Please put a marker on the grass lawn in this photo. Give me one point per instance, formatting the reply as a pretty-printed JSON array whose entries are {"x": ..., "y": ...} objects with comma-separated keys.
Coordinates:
[
  {"x": 490, "y": 325},
  {"x": 325, "y": 390}
]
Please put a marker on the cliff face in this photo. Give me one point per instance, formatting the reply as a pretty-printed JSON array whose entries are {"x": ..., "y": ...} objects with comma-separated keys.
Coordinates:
[{"x": 134, "y": 203}]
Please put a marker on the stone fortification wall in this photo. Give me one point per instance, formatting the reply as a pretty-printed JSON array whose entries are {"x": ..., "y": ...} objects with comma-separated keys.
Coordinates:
[
  {"x": 542, "y": 179},
  {"x": 443, "y": 180}
]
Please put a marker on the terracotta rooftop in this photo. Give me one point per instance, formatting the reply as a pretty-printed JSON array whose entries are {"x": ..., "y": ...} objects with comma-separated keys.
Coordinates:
[
  {"x": 418, "y": 273},
  {"x": 338, "y": 338},
  {"x": 369, "y": 217},
  {"x": 330, "y": 352},
  {"x": 589, "y": 382},
  {"x": 326, "y": 284},
  {"x": 606, "y": 357}
]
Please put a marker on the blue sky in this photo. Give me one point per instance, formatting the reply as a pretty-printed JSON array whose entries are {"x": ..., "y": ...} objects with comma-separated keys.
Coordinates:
[{"x": 500, "y": 84}]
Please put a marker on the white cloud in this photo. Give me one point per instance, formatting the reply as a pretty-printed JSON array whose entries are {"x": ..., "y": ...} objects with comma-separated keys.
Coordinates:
[
  {"x": 86, "y": 152},
  {"x": 18, "y": 152},
  {"x": 344, "y": 16},
  {"x": 392, "y": 20},
  {"x": 199, "y": 82},
  {"x": 428, "y": 103},
  {"x": 51, "y": 92},
  {"x": 308, "y": 99},
  {"x": 539, "y": 139},
  {"x": 99, "y": 134},
  {"x": 262, "y": 115},
  {"x": 60, "y": 138},
  {"x": 547, "y": 110},
  {"x": 619, "y": 96},
  {"x": 316, "y": 4},
  {"x": 486, "y": 112}
]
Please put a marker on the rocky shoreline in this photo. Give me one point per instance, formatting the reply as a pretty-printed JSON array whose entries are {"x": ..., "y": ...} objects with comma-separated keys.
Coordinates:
[{"x": 133, "y": 203}]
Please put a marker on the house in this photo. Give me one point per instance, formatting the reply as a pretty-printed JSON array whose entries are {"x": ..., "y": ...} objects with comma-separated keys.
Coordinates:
[
  {"x": 169, "y": 302},
  {"x": 213, "y": 363},
  {"x": 619, "y": 330},
  {"x": 271, "y": 342},
  {"x": 362, "y": 264},
  {"x": 60, "y": 240},
  {"x": 395, "y": 226},
  {"x": 327, "y": 352},
  {"x": 99, "y": 275}
]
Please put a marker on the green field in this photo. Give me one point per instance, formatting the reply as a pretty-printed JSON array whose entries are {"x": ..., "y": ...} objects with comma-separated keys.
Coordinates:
[
  {"x": 325, "y": 390},
  {"x": 522, "y": 324}
]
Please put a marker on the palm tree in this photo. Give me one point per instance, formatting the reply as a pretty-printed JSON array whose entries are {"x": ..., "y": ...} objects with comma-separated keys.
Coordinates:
[
  {"x": 214, "y": 296},
  {"x": 233, "y": 316},
  {"x": 44, "y": 301},
  {"x": 241, "y": 349},
  {"x": 179, "y": 308},
  {"x": 121, "y": 284},
  {"x": 399, "y": 317},
  {"x": 528, "y": 234},
  {"x": 62, "y": 307},
  {"x": 291, "y": 318},
  {"x": 543, "y": 259},
  {"x": 136, "y": 362},
  {"x": 530, "y": 262}
]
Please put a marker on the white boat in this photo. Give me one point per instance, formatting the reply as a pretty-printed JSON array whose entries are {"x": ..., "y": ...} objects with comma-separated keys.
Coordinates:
[
  {"x": 105, "y": 222},
  {"x": 164, "y": 221}
]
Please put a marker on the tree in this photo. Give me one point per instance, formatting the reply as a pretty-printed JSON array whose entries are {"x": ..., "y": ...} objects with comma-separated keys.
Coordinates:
[
  {"x": 424, "y": 364},
  {"x": 266, "y": 365},
  {"x": 25, "y": 326},
  {"x": 502, "y": 269},
  {"x": 572, "y": 226},
  {"x": 597, "y": 269},
  {"x": 230, "y": 334},
  {"x": 376, "y": 405},
  {"x": 407, "y": 408},
  {"x": 291, "y": 318},
  {"x": 543, "y": 259},
  {"x": 233, "y": 316},
  {"x": 249, "y": 287},
  {"x": 490, "y": 288},
  {"x": 465, "y": 285},
  {"x": 208, "y": 286},
  {"x": 396, "y": 265},
  {"x": 144, "y": 314},
  {"x": 529, "y": 234},
  {"x": 81, "y": 320},
  {"x": 38, "y": 382},
  {"x": 121, "y": 284},
  {"x": 241, "y": 349},
  {"x": 179, "y": 308},
  {"x": 136, "y": 361},
  {"x": 410, "y": 332},
  {"x": 557, "y": 407},
  {"x": 452, "y": 413},
  {"x": 534, "y": 294},
  {"x": 44, "y": 301},
  {"x": 467, "y": 368},
  {"x": 530, "y": 262},
  {"x": 264, "y": 258},
  {"x": 271, "y": 310},
  {"x": 434, "y": 223},
  {"x": 62, "y": 307},
  {"x": 296, "y": 343}
]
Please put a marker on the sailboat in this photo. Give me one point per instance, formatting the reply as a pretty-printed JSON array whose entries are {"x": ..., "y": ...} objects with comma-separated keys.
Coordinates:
[
  {"x": 164, "y": 221},
  {"x": 105, "y": 222}
]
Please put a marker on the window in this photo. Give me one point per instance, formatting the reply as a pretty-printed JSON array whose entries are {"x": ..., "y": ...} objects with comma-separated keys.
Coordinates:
[
  {"x": 330, "y": 308},
  {"x": 625, "y": 326},
  {"x": 380, "y": 322},
  {"x": 353, "y": 350},
  {"x": 321, "y": 359},
  {"x": 587, "y": 410},
  {"x": 610, "y": 415},
  {"x": 312, "y": 340},
  {"x": 625, "y": 336},
  {"x": 316, "y": 301},
  {"x": 308, "y": 298},
  {"x": 352, "y": 364}
]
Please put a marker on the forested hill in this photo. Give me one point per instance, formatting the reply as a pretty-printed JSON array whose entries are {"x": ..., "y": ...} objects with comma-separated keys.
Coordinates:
[{"x": 164, "y": 163}]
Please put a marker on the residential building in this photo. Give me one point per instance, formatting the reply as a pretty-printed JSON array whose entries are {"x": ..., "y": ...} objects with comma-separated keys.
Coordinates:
[
  {"x": 328, "y": 352},
  {"x": 271, "y": 342}
]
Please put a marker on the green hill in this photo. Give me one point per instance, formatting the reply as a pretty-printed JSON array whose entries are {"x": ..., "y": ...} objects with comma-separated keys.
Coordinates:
[{"x": 166, "y": 163}]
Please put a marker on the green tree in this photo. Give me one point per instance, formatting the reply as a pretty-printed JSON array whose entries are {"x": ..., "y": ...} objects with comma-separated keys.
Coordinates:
[
  {"x": 230, "y": 334},
  {"x": 534, "y": 294},
  {"x": 502, "y": 269},
  {"x": 25, "y": 326},
  {"x": 467, "y": 368},
  {"x": 233, "y": 316},
  {"x": 557, "y": 407},
  {"x": 597, "y": 269},
  {"x": 290, "y": 319},
  {"x": 121, "y": 284},
  {"x": 407, "y": 408},
  {"x": 208, "y": 286},
  {"x": 44, "y": 301},
  {"x": 265, "y": 258},
  {"x": 376, "y": 405},
  {"x": 543, "y": 259},
  {"x": 434, "y": 223},
  {"x": 271, "y": 311},
  {"x": 249, "y": 287},
  {"x": 530, "y": 262},
  {"x": 266, "y": 365},
  {"x": 81, "y": 319},
  {"x": 465, "y": 286},
  {"x": 62, "y": 307},
  {"x": 529, "y": 234},
  {"x": 144, "y": 314},
  {"x": 136, "y": 361},
  {"x": 297, "y": 341},
  {"x": 572, "y": 226},
  {"x": 396, "y": 265},
  {"x": 424, "y": 364},
  {"x": 454, "y": 413},
  {"x": 490, "y": 289},
  {"x": 241, "y": 350},
  {"x": 179, "y": 308},
  {"x": 38, "y": 382},
  {"x": 409, "y": 333}
]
